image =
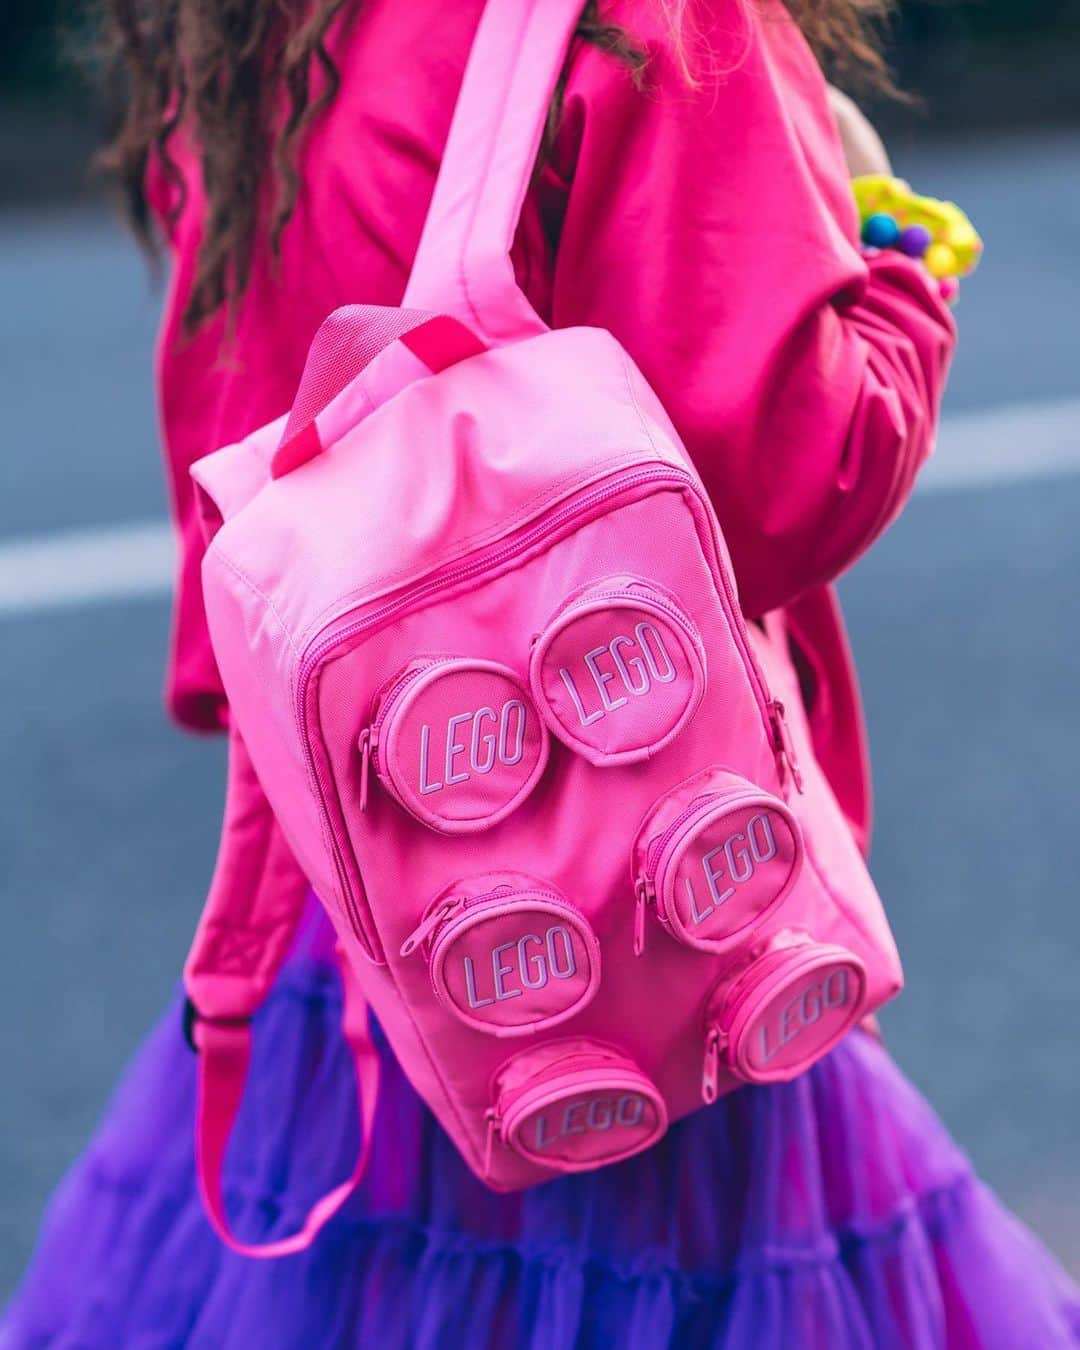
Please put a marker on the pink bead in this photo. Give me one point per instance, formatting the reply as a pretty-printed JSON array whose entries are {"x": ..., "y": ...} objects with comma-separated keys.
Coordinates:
[{"x": 950, "y": 289}]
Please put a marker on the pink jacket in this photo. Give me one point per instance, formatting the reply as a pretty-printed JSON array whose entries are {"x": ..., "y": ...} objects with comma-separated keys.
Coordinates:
[{"x": 712, "y": 232}]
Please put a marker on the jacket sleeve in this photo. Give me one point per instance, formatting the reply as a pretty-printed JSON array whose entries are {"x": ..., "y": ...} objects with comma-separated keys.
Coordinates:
[{"x": 712, "y": 230}]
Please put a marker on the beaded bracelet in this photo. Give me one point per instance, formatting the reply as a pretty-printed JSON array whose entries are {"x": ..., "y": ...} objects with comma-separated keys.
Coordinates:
[{"x": 938, "y": 233}]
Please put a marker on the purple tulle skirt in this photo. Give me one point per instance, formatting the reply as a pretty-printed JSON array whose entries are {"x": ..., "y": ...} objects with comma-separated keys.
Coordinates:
[{"x": 830, "y": 1213}]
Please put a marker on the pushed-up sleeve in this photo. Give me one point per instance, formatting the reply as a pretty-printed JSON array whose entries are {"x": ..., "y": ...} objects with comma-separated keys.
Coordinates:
[{"x": 711, "y": 228}]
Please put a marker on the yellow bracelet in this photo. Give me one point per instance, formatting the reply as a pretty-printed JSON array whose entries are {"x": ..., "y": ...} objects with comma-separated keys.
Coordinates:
[{"x": 938, "y": 233}]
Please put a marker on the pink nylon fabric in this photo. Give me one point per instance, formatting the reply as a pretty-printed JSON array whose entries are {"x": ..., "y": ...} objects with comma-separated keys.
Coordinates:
[
  {"x": 713, "y": 234},
  {"x": 380, "y": 605}
]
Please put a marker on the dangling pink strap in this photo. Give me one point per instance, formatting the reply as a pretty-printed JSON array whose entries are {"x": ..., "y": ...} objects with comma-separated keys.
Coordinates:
[
  {"x": 347, "y": 342},
  {"x": 224, "y": 1055},
  {"x": 256, "y": 898}
]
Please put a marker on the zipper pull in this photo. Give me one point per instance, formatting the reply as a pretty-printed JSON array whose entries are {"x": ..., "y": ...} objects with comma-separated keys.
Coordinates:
[
  {"x": 644, "y": 897},
  {"x": 428, "y": 924},
  {"x": 714, "y": 1043},
  {"x": 783, "y": 746},
  {"x": 367, "y": 743},
  {"x": 494, "y": 1124}
]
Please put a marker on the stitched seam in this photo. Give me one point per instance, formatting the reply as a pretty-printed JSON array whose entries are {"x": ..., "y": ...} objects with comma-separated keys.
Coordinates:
[
  {"x": 512, "y": 67},
  {"x": 241, "y": 575},
  {"x": 469, "y": 544},
  {"x": 327, "y": 840},
  {"x": 329, "y": 843},
  {"x": 645, "y": 426}
]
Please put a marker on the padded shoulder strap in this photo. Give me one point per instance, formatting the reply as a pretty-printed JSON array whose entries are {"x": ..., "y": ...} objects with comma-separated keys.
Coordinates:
[
  {"x": 463, "y": 262},
  {"x": 256, "y": 899}
]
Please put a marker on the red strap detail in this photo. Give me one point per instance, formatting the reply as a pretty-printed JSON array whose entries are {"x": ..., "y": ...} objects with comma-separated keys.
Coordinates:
[
  {"x": 345, "y": 345},
  {"x": 224, "y": 1056},
  {"x": 298, "y": 450},
  {"x": 442, "y": 342}
]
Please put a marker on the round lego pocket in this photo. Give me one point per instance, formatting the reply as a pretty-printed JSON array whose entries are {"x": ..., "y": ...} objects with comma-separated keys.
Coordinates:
[
  {"x": 782, "y": 1013},
  {"x": 714, "y": 859},
  {"x": 508, "y": 954},
  {"x": 619, "y": 671},
  {"x": 457, "y": 742},
  {"x": 574, "y": 1105}
]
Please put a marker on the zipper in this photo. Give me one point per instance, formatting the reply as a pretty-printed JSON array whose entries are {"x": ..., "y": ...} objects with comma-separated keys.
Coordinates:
[
  {"x": 430, "y": 922},
  {"x": 441, "y": 912},
  {"x": 644, "y": 896},
  {"x": 494, "y": 1124},
  {"x": 496, "y": 1116},
  {"x": 657, "y": 845},
  {"x": 715, "y": 1042},
  {"x": 368, "y": 745},
  {"x": 651, "y": 600},
  {"x": 368, "y": 741},
  {"x": 647, "y": 895},
  {"x": 413, "y": 597},
  {"x": 787, "y": 760}
]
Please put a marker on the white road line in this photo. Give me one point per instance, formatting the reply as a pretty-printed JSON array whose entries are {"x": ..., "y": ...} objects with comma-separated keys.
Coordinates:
[
  {"x": 1006, "y": 445},
  {"x": 998, "y": 446},
  {"x": 80, "y": 567}
]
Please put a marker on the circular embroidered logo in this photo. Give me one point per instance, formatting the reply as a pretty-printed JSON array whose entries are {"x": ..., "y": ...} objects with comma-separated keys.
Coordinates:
[
  {"x": 728, "y": 869},
  {"x": 796, "y": 1018},
  {"x": 460, "y": 743},
  {"x": 511, "y": 959},
  {"x": 618, "y": 672}
]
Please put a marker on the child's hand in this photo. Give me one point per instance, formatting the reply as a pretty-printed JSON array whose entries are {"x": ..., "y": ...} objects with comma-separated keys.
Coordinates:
[{"x": 864, "y": 149}]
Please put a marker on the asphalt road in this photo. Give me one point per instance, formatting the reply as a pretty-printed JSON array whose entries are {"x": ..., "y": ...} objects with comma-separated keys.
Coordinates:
[{"x": 964, "y": 621}]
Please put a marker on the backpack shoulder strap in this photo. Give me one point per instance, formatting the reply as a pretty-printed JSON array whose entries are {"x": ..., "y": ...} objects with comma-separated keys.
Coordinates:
[
  {"x": 255, "y": 902},
  {"x": 463, "y": 264},
  {"x": 463, "y": 270}
]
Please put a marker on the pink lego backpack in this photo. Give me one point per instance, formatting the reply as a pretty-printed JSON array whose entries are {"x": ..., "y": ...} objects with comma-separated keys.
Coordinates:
[{"x": 485, "y": 659}]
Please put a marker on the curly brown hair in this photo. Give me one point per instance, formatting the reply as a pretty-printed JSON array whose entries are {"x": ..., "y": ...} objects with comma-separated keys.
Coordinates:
[{"x": 225, "y": 66}]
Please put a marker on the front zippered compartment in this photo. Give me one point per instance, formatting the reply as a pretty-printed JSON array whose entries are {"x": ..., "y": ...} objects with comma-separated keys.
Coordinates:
[
  {"x": 645, "y": 892},
  {"x": 368, "y": 742},
  {"x": 658, "y": 670},
  {"x": 756, "y": 855},
  {"x": 510, "y": 961},
  {"x": 598, "y": 1093},
  {"x": 645, "y": 895},
  {"x": 633, "y": 483},
  {"x": 483, "y": 781},
  {"x": 783, "y": 1011}
]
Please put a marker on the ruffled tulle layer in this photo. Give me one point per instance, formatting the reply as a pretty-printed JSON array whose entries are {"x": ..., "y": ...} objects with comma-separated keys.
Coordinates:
[{"x": 829, "y": 1213}]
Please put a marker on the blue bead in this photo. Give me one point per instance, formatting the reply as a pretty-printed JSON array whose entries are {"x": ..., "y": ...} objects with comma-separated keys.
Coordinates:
[{"x": 880, "y": 231}]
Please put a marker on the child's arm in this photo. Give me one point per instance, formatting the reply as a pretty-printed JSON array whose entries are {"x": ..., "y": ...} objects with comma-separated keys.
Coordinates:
[{"x": 714, "y": 232}]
